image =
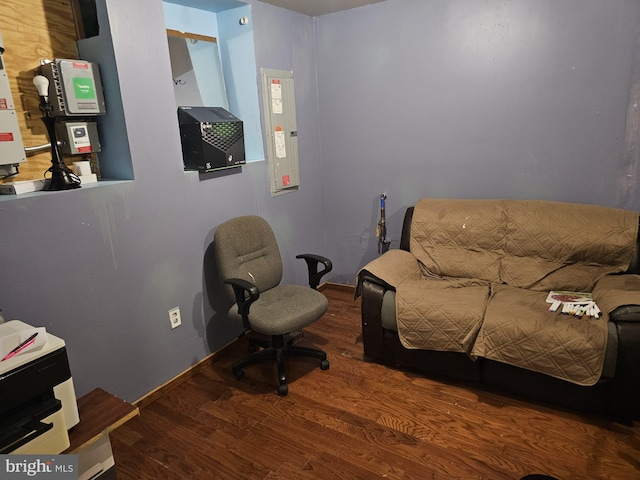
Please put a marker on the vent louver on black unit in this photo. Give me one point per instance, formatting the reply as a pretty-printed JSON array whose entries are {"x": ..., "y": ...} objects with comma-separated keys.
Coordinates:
[{"x": 212, "y": 138}]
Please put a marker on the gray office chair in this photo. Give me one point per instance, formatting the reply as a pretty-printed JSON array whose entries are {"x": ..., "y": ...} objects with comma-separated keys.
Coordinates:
[{"x": 249, "y": 260}]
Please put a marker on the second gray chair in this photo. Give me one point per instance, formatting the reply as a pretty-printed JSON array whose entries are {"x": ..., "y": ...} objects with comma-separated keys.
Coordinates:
[{"x": 249, "y": 261}]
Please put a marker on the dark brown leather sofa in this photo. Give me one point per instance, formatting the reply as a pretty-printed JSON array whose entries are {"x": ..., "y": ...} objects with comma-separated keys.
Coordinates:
[{"x": 616, "y": 394}]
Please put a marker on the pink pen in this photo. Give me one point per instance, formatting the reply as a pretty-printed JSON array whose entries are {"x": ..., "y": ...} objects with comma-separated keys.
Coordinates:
[{"x": 29, "y": 341}]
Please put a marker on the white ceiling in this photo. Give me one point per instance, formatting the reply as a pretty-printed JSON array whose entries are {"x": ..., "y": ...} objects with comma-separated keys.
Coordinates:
[{"x": 315, "y": 8}]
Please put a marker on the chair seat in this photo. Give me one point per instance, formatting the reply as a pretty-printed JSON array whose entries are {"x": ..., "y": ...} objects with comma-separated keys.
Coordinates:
[{"x": 284, "y": 309}]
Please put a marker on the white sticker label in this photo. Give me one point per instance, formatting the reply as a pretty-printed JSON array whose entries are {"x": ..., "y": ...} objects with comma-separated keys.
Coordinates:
[
  {"x": 81, "y": 137},
  {"x": 276, "y": 89},
  {"x": 276, "y": 105},
  {"x": 281, "y": 150}
]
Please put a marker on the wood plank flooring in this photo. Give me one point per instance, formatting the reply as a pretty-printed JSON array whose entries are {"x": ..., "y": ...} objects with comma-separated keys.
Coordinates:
[{"x": 359, "y": 420}]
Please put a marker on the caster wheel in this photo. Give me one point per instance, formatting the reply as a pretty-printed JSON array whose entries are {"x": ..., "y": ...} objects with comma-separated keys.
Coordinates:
[
  {"x": 283, "y": 389},
  {"x": 238, "y": 374},
  {"x": 324, "y": 365}
]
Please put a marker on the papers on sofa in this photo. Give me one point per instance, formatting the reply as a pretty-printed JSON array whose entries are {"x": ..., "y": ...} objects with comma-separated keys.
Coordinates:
[
  {"x": 569, "y": 297},
  {"x": 578, "y": 304}
]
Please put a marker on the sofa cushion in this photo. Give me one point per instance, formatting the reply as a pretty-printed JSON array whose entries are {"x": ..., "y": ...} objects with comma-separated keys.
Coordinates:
[
  {"x": 566, "y": 246},
  {"x": 442, "y": 315},
  {"x": 459, "y": 238},
  {"x": 533, "y": 244},
  {"x": 519, "y": 330},
  {"x": 389, "y": 322}
]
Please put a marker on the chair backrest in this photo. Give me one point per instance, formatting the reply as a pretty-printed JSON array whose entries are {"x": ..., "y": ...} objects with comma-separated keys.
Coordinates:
[{"x": 246, "y": 248}]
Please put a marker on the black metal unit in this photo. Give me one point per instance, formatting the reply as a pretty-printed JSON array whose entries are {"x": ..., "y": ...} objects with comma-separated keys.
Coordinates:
[{"x": 212, "y": 139}]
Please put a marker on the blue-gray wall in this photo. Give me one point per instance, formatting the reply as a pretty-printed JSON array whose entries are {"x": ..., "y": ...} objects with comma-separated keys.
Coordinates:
[
  {"x": 520, "y": 99},
  {"x": 516, "y": 99},
  {"x": 100, "y": 267}
]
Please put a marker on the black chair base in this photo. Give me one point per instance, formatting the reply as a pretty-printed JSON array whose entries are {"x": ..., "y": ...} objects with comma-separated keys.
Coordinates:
[
  {"x": 280, "y": 350},
  {"x": 256, "y": 343}
]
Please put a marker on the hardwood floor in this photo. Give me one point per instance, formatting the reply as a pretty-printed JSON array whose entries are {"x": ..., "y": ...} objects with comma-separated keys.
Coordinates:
[{"x": 358, "y": 420}]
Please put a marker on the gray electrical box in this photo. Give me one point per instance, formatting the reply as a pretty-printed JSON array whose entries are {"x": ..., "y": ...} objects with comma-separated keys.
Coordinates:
[
  {"x": 78, "y": 138},
  {"x": 75, "y": 88},
  {"x": 11, "y": 146},
  {"x": 279, "y": 103}
]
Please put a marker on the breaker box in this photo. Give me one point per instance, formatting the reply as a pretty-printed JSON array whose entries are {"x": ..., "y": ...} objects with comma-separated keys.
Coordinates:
[
  {"x": 212, "y": 139},
  {"x": 281, "y": 130}
]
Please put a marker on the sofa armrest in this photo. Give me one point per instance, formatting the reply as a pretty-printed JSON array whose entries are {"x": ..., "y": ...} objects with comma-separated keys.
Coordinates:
[
  {"x": 371, "y": 314},
  {"x": 377, "y": 277},
  {"x": 619, "y": 297},
  {"x": 389, "y": 270},
  {"x": 367, "y": 276},
  {"x": 626, "y": 386},
  {"x": 625, "y": 313}
]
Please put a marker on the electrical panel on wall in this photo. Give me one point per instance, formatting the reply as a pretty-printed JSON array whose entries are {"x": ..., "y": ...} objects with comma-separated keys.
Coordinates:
[
  {"x": 278, "y": 96},
  {"x": 11, "y": 147},
  {"x": 76, "y": 88}
]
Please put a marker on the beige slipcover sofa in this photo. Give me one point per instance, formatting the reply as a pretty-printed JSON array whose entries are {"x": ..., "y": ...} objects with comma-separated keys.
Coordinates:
[{"x": 472, "y": 283}]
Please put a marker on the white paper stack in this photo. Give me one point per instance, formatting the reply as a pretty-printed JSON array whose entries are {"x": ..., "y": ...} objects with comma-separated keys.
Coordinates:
[
  {"x": 24, "y": 186},
  {"x": 578, "y": 304}
]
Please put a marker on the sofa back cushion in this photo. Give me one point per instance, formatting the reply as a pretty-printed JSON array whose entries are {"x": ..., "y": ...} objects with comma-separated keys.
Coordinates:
[{"x": 535, "y": 244}]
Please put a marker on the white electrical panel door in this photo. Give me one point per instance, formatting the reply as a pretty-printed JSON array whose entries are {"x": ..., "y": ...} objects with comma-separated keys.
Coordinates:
[{"x": 282, "y": 133}]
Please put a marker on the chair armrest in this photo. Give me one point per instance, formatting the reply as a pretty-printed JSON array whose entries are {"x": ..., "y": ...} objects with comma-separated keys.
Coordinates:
[
  {"x": 246, "y": 293},
  {"x": 313, "y": 261}
]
